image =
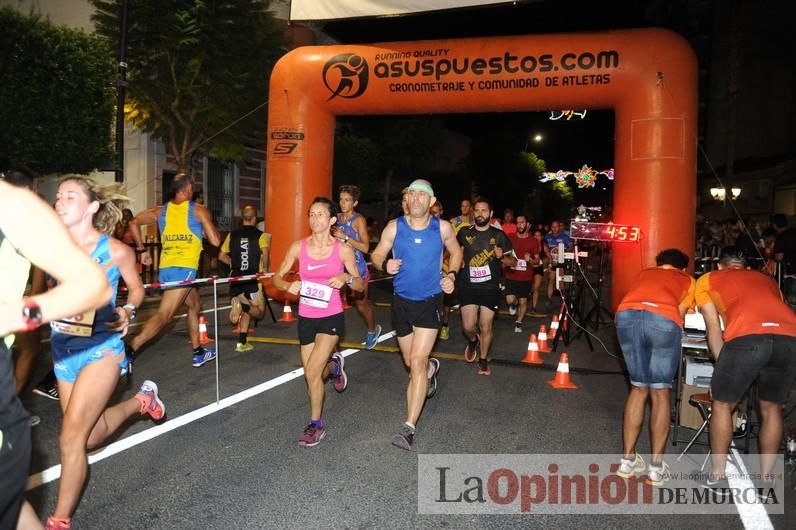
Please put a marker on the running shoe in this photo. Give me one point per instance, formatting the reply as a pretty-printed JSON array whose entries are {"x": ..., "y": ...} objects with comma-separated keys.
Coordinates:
[
  {"x": 372, "y": 338},
  {"x": 657, "y": 475},
  {"x": 241, "y": 348},
  {"x": 57, "y": 524},
  {"x": 518, "y": 327},
  {"x": 512, "y": 309},
  {"x": 235, "y": 311},
  {"x": 312, "y": 435},
  {"x": 764, "y": 489},
  {"x": 150, "y": 402},
  {"x": 472, "y": 350},
  {"x": 48, "y": 387},
  {"x": 444, "y": 333},
  {"x": 629, "y": 467},
  {"x": 483, "y": 367},
  {"x": 341, "y": 381},
  {"x": 205, "y": 355},
  {"x": 433, "y": 370},
  {"x": 404, "y": 438},
  {"x": 719, "y": 487}
]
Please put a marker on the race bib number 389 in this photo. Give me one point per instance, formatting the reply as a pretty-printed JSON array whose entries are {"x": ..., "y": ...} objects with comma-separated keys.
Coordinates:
[{"x": 480, "y": 274}]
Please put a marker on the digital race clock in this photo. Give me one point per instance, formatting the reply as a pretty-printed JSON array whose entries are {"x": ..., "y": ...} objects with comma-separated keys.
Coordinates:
[{"x": 604, "y": 231}]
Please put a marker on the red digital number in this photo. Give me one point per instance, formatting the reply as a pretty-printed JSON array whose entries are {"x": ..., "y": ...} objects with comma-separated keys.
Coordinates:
[
  {"x": 622, "y": 233},
  {"x": 610, "y": 231},
  {"x": 634, "y": 232}
]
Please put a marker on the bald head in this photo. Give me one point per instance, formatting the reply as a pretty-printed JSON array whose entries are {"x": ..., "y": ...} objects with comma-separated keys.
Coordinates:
[{"x": 249, "y": 215}]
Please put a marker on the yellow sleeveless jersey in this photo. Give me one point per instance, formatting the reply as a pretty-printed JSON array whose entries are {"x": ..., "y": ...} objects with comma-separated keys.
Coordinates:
[{"x": 181, "y": 235}]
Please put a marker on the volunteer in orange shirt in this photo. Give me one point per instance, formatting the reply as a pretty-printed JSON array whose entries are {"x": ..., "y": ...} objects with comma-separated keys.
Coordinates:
[
  {"x": 758, "y": 341},
  {"x": 649, "y": 323}
]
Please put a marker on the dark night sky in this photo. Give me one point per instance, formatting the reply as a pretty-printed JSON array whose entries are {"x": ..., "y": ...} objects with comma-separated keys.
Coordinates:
[{"x": 567, "y": 144}]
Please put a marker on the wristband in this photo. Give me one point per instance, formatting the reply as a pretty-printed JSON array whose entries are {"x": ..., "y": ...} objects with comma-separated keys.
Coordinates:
[
  {"x": 31, "y": 314},
  {"x": 451, "y": 272},
  {"x": 140, "y": 250}
]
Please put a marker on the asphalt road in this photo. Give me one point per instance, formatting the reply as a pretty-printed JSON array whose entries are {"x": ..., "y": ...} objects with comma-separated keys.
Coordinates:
[{"x": 239, "y": 466}]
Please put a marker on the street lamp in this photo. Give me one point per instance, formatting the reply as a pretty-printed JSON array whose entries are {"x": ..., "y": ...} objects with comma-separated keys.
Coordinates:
[
  {"x": 537, "y": 138},
  {"x": 720, "y": 194}
]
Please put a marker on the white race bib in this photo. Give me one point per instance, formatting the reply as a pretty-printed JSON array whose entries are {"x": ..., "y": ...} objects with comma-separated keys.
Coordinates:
[
  {"x": 315, "y": 294},
  {"x": 480, "y": 274},
  {"x": 79, "y": 325},
  {"x": 521, "y": 265}
]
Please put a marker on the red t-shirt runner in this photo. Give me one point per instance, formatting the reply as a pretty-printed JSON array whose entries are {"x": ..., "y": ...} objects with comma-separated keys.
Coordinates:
[{"x": 525, "y": 249}]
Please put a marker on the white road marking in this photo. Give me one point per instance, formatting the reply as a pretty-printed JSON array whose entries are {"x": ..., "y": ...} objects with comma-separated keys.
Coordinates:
[{"x": 54, "y": 472}]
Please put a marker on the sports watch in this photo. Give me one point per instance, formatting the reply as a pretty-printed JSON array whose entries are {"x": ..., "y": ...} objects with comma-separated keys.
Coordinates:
[{"x": 132, "y": 309}]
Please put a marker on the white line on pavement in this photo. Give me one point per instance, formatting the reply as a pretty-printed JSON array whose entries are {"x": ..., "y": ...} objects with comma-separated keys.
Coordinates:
[{"x": 54, "y": 472}]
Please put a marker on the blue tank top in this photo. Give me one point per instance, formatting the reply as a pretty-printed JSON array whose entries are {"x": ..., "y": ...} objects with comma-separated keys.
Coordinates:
[
  {"x": 100, "y": 332},
  {"x": 348, "y": 229},
  {"x": 421, "y": 252}
]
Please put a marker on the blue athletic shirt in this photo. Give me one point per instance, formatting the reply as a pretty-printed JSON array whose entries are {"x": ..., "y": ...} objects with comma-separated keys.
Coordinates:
[
  {"x": 348, "y": 229},
  {"x": 100, "y": 331},
  {"x": 421, "y": 252}
]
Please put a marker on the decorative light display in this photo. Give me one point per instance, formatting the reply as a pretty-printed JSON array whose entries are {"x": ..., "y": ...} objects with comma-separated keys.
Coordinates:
[
  {"x": 585, "y": 177},
  {"x": 567, "y": 114}
]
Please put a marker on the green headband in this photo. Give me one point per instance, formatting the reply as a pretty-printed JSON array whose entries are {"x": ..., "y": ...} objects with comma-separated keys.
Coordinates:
[{"x": 420, "y": 185}]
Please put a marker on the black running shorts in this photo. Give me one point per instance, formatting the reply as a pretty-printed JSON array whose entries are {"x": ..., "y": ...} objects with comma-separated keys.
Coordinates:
[
  {"x": 489, "y": 298},
  {"x": 521, "y": 289},
  {"x": 743, "y": 359},
  {"x": 309, "y": 327},
  {"x": 409, "y": 314}
]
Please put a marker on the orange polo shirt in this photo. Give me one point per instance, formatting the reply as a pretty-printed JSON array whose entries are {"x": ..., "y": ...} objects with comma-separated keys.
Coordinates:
[
  {"x": 661, "y": 290},
  {"x": 748, "y": 301}
]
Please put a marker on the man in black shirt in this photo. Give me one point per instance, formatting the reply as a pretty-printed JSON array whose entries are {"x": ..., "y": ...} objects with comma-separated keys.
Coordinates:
[
  {"x": 480, "y": 282},
  {"x": 245, "y": 250}
]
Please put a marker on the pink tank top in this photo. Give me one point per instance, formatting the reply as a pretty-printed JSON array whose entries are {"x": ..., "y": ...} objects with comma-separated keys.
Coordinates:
[{"x": 317, "y": 298}]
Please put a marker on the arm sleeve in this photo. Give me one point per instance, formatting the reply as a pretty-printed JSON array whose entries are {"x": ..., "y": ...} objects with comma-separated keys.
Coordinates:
[{"x": 225, "y": 245}]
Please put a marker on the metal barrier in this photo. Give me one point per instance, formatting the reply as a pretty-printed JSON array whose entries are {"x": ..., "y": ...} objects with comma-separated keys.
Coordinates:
[{"x": 215, "y": 281}]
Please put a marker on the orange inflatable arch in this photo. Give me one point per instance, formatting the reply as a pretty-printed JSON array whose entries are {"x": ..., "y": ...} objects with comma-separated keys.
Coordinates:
[{"x": 648, "y": 76}]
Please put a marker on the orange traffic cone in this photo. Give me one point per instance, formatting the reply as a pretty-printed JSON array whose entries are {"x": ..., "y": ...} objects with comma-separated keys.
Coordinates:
[
  {"x": 561, "y": 380},
  {"x": 287, "y": 314},
  {"x": 532, "y": 357},
  {"x": 554, "y": 326},
  {"x": 203, "y": 338},
  {"x": 543, "y": 345}
]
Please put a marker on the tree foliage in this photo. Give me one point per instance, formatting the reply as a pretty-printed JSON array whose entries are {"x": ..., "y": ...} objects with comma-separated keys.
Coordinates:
[
  {"x": 194, "y": 68},
  {"x": 57, "y": 95}
]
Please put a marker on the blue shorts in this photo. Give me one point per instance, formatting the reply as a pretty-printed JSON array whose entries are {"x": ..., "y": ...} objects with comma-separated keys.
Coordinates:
[
  {"x": 176, "y": 274},
  {"x": 652, "y": 346},
  {"x": 69, "y": 362}
]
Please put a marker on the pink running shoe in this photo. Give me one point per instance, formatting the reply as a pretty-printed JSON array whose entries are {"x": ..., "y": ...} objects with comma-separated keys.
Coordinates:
[
  {"x": 312, "y": 435},
  {"x": 57, "y": 524},
  {"x": 150, "y": 402},
  {"x": 341, "y": 381}
]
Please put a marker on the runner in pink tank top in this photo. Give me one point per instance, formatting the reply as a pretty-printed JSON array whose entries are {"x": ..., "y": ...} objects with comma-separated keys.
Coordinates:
[
  {"x": 317, "y": 298},
  {"x": 325, "y": 266}
]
